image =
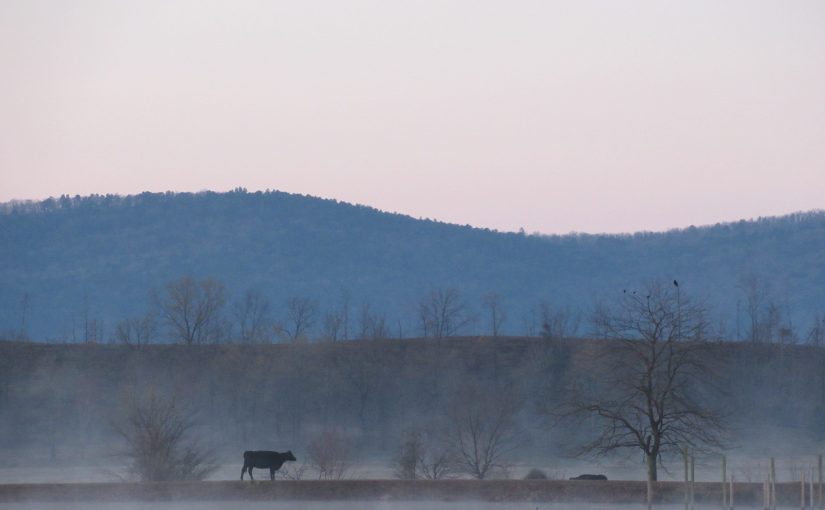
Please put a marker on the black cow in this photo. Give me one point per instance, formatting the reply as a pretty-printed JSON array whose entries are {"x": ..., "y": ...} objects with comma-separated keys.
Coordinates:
[
  {"x": 263, "y": 459},
  {"x": 589, "y": 477}
]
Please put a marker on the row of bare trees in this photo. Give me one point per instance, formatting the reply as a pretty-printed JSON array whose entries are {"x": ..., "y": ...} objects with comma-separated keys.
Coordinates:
[{"x": 191, "y": 311}]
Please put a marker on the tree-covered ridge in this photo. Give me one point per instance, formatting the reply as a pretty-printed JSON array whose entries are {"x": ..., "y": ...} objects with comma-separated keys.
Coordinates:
[{"x": 70, "y": 260}]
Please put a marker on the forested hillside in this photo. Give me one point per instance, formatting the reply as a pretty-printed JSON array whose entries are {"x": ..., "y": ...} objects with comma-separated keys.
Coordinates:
[{"x": 73, "y": 269}]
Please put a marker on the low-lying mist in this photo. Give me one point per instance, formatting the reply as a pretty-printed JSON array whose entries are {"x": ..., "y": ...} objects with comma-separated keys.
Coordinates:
[{"x": 348, "y": 410}]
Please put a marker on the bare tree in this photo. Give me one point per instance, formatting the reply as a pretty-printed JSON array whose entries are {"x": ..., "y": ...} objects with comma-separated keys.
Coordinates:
[
  {"x": 816, "y": 335},
  {"x": 769, "y": 321},
  {"x": 443, "y": 313},
  {"x": 344, "y": 313},
  {"x": 424, "y": 455},
  {"x": 333, "y": 326},
  {"x": 650, "y": 378},
  {"x": 756, "y": 294},
  {"x": 492, "y": 302},
  {"x": 330, "y": 454},
  {"x": 372, "y": 326},
  {"x": 436, "y": 462},
  {"x": 25, "y": 305},
  {"x": 409, "y": 456},
  {"x": 301, "y": 314},
  {"x": 137, "y": 331},
  {"x": 251, "y": 314},
  {"x": 192, "y": 310},
  {"x": 158, "y": 442},
  {"x": 360, "y": 367},
  {"x": 336, "y": 324},
  {"x": 558, "y": 322},
  {"x": 481, "y": 429}
]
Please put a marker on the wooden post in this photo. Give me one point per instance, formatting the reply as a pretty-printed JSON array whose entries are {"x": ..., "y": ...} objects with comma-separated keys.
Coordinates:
[
  {"x": 731, "y": 491},
  {"x": 802, "y": 492},
  {"x": 692, "y": 482},
  {"x": 724, "y": 482},
  {"x": 773, "y": 484},
  {"x": 687, "y": 488},
  {"x": 820, "y": 482},
  {"x": 811, "y": 490}
]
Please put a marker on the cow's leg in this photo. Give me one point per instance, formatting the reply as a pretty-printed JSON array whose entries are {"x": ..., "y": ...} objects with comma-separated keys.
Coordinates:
[
  {"x": 250, "y": 474},
  {"x": 272, "y": 473},
  {"x": 243, "y": 470}
]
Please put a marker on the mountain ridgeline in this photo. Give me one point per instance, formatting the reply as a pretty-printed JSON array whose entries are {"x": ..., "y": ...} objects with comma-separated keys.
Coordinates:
[{"x": 65, "y": 262}]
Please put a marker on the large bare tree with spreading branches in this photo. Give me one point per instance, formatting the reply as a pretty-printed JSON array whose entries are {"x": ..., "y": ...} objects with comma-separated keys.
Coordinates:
[{"x": 651, "y": 379}]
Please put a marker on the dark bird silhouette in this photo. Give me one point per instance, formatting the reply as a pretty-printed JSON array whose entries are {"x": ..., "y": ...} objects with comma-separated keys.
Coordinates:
[{"x": 675, "y": 283}]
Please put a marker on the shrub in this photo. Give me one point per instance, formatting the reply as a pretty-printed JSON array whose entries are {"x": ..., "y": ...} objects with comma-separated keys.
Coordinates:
[
  {"x": 535, "y": 474},
  {"x": 158, "y": 443}
]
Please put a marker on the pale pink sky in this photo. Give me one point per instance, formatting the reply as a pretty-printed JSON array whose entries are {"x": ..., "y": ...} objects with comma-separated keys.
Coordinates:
[{"x": 552, "y": 116}]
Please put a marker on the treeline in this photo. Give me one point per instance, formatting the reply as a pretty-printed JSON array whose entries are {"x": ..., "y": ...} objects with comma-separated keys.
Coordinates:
[
  {"x": 191, "y": 311},
  {"x": 201, "y": 311}
]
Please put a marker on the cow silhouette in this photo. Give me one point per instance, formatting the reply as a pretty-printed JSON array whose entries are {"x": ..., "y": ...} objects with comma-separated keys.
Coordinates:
[
  {"x": 589, "y": 477},
  {"x": 263, "y": 459}
]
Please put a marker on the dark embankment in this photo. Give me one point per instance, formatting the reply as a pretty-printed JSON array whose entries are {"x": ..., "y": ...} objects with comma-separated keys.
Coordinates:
[{"x": 57, "y": 402}]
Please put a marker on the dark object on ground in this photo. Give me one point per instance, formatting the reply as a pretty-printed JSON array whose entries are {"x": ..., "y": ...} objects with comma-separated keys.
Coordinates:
[
  {"x": 263, "y": 459},
  {"x": 589, "y": 477},
  {"x": 535, "y": 474}
]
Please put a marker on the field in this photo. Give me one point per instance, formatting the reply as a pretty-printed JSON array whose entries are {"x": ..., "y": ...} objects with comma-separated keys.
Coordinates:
[{"x": 492, "y": 491}]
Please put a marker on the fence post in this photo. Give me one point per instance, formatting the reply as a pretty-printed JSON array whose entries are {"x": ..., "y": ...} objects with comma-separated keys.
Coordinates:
[
  {"x": 692, "y": 482},
  {"x": 724, "y": 481},
  {"x": 811, "y": 490},
  {"x": 773, "y": 484},
  {"x": 802, "y": 491},
  {"x": 687, "y": 489}
]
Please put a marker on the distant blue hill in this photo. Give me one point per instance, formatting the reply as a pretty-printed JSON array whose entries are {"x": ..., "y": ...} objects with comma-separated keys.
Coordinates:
[{"x": 98, "y": 257}]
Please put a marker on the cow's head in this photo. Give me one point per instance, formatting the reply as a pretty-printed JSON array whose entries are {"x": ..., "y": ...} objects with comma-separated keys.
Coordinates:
[{"x": 289, "y": 456}]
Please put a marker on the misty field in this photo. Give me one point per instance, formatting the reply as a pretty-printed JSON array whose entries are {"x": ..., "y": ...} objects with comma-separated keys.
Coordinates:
[
  {"x": 355, "y": 505},
  {"x": 400, "y": 494}
]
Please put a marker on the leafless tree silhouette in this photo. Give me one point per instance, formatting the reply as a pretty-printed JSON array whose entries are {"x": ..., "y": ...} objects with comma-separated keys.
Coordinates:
[
  {"x": 191, "y": 310},
  {"x": 649, "y": 379},
  {"x": 443, "y": 313},
  {"x": 159, "y": 446}
]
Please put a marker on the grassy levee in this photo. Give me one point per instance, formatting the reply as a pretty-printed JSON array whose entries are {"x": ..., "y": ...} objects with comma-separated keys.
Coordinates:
[{"x": 746, "y": 494}]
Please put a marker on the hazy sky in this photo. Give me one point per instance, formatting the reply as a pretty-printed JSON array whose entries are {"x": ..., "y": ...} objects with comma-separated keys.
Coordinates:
[{"x": 552, "y": 116}]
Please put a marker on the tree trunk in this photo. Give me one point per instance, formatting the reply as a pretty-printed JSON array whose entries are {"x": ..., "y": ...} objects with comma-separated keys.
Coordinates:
[
  {"x": 651, "y": 477},
  {"x": 652, "y": 473}
]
